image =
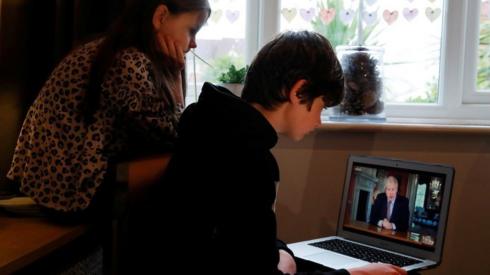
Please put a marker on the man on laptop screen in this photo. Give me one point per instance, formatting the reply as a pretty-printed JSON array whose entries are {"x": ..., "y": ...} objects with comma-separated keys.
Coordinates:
[{"x": 390, "y": 210}]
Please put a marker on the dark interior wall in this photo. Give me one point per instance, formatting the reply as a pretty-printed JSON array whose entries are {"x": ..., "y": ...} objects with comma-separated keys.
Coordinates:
[{"x": 34, "y": 37}]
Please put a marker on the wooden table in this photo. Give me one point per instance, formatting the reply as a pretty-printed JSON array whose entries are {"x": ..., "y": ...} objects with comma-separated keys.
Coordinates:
[
  {"x": 405, "y": 236},
  {"x": 24, "y": 240}
]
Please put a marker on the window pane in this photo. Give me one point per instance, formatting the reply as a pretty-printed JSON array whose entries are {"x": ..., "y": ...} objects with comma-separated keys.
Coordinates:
[
  {"x": 409, "y": 31},
  {"x": 483, "y": 76},
  {"x": 219, "y": 43},
  {"x": 420, "y": 196}
]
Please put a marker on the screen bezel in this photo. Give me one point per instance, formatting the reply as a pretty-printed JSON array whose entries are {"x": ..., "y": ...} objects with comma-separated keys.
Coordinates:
[{"x": 446, "y": 170}]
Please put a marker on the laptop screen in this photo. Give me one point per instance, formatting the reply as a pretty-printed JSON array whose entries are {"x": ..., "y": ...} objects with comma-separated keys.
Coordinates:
[{"x": 401, "y": 205}]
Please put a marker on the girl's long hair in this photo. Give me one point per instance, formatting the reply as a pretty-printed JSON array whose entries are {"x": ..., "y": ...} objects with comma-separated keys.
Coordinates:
[{"x": 134, "y": 28}]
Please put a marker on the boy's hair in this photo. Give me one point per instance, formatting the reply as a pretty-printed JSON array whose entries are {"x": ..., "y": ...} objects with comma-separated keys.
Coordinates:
[{"x": 290, "y": 57}]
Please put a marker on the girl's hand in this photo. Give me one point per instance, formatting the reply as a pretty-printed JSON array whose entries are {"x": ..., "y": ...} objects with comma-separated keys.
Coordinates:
[{"x": 172, "y": 49}]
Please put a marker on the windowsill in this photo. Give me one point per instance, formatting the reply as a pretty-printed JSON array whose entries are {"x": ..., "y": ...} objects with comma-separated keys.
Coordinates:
[{"x": 411, "y": 125}]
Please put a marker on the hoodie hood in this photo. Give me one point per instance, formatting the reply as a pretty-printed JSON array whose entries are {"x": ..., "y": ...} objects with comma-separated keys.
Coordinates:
[{"x": 219, "y": 116}]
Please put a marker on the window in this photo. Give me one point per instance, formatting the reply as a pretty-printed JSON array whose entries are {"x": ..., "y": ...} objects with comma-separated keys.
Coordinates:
[
  {"x": 409, "y": 32},
  {"x": 483, "y": 75},
  {"x": 436, "y": 52},
  {"x": 420, "y": 196},
  {"x": 220, "y": 42},
  {"x": 477, "y": 69}
]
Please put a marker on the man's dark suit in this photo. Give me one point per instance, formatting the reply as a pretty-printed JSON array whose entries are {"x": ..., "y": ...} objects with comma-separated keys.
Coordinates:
[{"x": 399, "y": 215}]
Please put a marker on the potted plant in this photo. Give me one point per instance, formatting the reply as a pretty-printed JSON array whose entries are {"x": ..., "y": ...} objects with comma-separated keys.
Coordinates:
[{"x": 233, "y": 79}]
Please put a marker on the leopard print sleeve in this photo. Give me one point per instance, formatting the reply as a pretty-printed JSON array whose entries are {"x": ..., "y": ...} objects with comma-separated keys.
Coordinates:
[
  {"x": 131, "y": 92},
  {"x": 60, "y": 161}
]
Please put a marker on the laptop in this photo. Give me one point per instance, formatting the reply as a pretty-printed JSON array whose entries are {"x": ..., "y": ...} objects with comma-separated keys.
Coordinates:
[{"x": 411, "y": 239}]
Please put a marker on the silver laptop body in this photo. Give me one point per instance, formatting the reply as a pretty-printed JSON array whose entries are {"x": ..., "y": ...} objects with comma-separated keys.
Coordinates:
[{"x": 428, "y": 189}]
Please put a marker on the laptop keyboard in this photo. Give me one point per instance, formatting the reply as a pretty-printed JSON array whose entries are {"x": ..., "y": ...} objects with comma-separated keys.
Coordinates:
[{"x": 365, "y": 253}]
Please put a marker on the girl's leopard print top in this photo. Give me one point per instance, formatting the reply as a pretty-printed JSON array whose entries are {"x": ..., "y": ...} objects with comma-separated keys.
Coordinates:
[{"x": 58, "y": 160}]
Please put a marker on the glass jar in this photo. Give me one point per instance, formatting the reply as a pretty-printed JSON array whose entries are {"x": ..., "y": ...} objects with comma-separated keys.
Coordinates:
[{"x": 363, "y": 89}]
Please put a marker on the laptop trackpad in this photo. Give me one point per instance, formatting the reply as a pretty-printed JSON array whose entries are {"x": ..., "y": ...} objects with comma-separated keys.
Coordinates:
[{"x": 334, "y": 260}]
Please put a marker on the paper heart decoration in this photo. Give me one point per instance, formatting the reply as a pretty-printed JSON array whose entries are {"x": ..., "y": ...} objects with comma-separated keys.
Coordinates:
[
  {"x": 327, "y": 15},
  {"x": 369, "y": 17},
  {"x": 216, "y": 15},
  {"x": 485, "y": 9},
  {"x": 410, "y": 14},
  {"x": 288, "y": 14},
  {"x": 432, "y": 14},
  {"x": 307, "y": 14},
  {"x": 390, "y": 16},
  {"x": 232, "y": 16},
  {"x": 346, "y": 16},
  {"x": 371, "y": 2}
]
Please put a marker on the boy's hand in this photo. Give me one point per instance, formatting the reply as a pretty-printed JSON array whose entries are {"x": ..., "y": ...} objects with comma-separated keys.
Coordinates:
[
  {"x": 286, "y": 265},
  {"x": 377, "y": 268}
]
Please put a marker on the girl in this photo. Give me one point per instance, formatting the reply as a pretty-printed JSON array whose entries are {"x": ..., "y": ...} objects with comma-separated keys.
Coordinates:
[{"x": 109, "y": 98}]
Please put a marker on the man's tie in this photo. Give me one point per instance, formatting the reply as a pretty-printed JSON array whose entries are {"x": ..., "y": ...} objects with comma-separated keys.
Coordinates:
[{"x": 388, "y": 210}]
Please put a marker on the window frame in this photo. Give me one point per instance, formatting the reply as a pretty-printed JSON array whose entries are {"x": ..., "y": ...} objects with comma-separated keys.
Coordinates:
[
  {"x": 458, "y": 99},
  {"x": 471, "y": 93}
]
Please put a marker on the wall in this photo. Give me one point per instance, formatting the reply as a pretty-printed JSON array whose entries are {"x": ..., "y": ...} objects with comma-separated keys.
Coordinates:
[{"x": 313, "y": 171}]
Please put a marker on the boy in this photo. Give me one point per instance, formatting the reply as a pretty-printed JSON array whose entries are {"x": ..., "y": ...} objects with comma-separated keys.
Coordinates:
[{"x": 220, "y": 186}]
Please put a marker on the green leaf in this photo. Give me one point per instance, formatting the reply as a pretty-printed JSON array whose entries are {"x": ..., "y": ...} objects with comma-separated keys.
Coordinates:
[{"x": 233, "y": 75}]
